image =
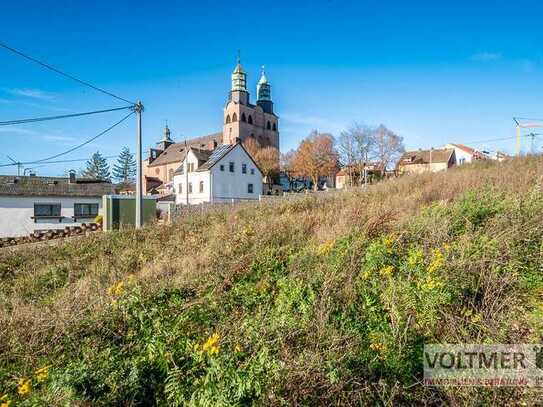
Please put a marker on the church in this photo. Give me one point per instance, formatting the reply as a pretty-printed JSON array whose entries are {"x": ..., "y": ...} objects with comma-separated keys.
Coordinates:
[{"x": 241, "y": 120}]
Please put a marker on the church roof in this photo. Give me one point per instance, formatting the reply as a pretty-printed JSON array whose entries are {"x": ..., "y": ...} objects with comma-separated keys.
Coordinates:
[{"x": 176, "y": 152}]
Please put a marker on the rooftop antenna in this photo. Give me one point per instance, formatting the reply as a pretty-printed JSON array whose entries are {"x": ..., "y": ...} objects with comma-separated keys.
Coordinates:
[{"x": 239, "y": 56}]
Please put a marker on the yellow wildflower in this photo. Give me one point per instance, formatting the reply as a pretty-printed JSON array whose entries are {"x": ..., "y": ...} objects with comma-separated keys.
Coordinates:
[
  {"x": 116, "y": 289},
  {"x": 366, "y": 274},
  {"x": 237, "y": 348},
  {"x": 42, "y": 374},
  {"x": 388, "y": 242},
  {"x": 476, "y": 318},
  {"x": 438, "y": 260},
  {"x": 378, "y": 347},
  {"x": 387, "y": 271},
  {"x": 415, "y": 258},
  {"x": 325, "y": 248},
  {"x": 23, "y": 386},
  {"x": 211, "y": 346},
  {"x": 5, "y": 401}
]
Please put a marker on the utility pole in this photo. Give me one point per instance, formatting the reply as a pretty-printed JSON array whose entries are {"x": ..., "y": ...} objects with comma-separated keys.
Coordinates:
[
  {"x": 18, "y": 163},
  {"x": 138, "y": 108}
]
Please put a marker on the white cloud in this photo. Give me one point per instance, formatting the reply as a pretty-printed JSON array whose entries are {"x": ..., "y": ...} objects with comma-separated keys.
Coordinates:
[
  {"x": 32, "y": 93},
  {"x": 486, "y": 56}
]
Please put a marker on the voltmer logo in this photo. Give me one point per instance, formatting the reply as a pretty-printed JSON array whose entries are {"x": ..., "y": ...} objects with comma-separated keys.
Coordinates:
[{"x": 483, "y": 365}]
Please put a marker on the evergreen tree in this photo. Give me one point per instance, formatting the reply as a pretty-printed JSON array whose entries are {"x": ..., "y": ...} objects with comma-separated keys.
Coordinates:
[
  {"x": 125, "y": 169},
  {"x": 97, "y": 167}
]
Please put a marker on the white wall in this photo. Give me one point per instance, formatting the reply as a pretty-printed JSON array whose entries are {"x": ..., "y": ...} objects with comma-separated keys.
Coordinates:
[
  {"x": 194, "y": 178},
  {"x": 227, "y": 185},
  {"x": 16, "y": 213},
  {"x": 220, "y": 186},
  {"x": 462, "y": 157}
]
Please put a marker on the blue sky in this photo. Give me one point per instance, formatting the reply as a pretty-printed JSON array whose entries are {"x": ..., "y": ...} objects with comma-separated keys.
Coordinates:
[{"x": 432, "y": 72}]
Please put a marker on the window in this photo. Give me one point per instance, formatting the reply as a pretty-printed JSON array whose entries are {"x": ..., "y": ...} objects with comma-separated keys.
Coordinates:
[
  {"x": 244, "y": 168},
  {"x": 274, "y": 127},
  {"x": 180, "y": 188},
  {"x": 268, "y": 125},
  {"x": 250, "y": 120},
  {"x": 231, "y": 166},
  {"x": 190, "y": 167},
  {"x": 250, "y": 188},
  {"x": 201, "y": 186},
  {"x": 234, "y": 118},
  {"x": 190, "y": 187},
  {"x": 252, "y": 171},
  {"x": 157, "y": 171},
  {"x": 85, "y": 210},
  {"x": 222, "y": 167},
  {"x": 227, "y": 119},
  {"x": 46, "y": 210},
  {"x": 170, "y": 175},
  {"x": 243, "y": 118}
]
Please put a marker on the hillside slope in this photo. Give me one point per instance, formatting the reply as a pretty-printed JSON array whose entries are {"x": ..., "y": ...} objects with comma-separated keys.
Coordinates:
[{"x": 317, "y": 301}]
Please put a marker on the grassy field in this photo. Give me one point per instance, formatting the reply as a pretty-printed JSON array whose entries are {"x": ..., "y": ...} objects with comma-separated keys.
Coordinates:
[{"x": 317, "y": 301}]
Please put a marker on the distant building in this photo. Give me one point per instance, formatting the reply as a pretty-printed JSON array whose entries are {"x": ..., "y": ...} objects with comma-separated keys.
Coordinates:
[
  {"x": 465, "y": 154},
  {"x": 351, "y": 175},
  {"x": 29, "y": 204},
  {"x": 241, "y": 120},
  {"x": 434, "y": 160},
  {"x": 227, "y": 174}
]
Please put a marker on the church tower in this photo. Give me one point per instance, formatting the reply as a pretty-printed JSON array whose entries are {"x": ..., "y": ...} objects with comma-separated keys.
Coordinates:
[{"x": 243, "y": 120}]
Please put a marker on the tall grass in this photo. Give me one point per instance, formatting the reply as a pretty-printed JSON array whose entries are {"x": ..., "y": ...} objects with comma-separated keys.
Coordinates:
[{"x": 317, "y": 301}]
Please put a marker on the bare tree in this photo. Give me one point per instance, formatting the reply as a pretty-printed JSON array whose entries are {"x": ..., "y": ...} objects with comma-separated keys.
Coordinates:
[
  {"x": 356, "y": 145},
  {"x": 387, "y": 146},
  {"x": 286, "y": 165},
  {"x": 316, "y": 157}
]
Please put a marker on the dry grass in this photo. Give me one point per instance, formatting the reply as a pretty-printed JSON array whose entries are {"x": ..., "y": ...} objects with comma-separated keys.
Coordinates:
[{"x": 51, "y": 295}]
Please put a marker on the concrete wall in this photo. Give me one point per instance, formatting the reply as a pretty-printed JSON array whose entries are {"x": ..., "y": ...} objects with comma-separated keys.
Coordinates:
[{"x": 16, "y": 214}]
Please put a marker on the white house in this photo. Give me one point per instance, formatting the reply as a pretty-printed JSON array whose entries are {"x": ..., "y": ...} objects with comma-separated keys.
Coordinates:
[
  {"x": 29, "y": 204},
  {"x": 465, "y": 154},
  {"x": 225, "y": 174}
]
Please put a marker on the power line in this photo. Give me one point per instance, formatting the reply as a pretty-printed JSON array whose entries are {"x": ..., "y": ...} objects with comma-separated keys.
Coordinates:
[
  {"x": 73, "y": 148},
  {"x": 52, "y": 68},
  {"x": 47, "y": 118}
]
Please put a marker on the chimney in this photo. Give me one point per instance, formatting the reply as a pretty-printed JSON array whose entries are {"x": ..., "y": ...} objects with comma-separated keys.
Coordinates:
[{"x": 72, "y": 177}]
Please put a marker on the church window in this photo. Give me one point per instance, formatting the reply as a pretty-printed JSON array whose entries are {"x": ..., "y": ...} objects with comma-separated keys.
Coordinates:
[
  {"x": 180, "y": 188},
  {"x": 222, "y": 167},
  {"x": 234, "y": 118},
  {"x": 244, "y": 168},
  {"x": 190, "y": 188},
  {"x": 201, "y": 186},
  {"x": 243, "y": 118},
  {"x": 252, "y": 171},
  {"x": 250, "y": 120},
  {"x": 250, "y": 188},
  {"x": 227, "y": 118},
  {"x": 170, "y": 175},
  {"x": 231, "y": 166},
  {"x": 274, "y": 127},
  {"x": 268, "y": 126}
]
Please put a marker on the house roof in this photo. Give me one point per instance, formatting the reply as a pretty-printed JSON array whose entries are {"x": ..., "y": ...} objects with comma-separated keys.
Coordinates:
[
  {"x": 354, "y": 169},
  {"x": 213, "y": 157},
  {"x": 441, "y": 155},
  {"x": 176, "y": 152},
  {"x": 217, "y": 154},
  {"x": 53, "y": 186},
  {"x": 467, "y": 149}
]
